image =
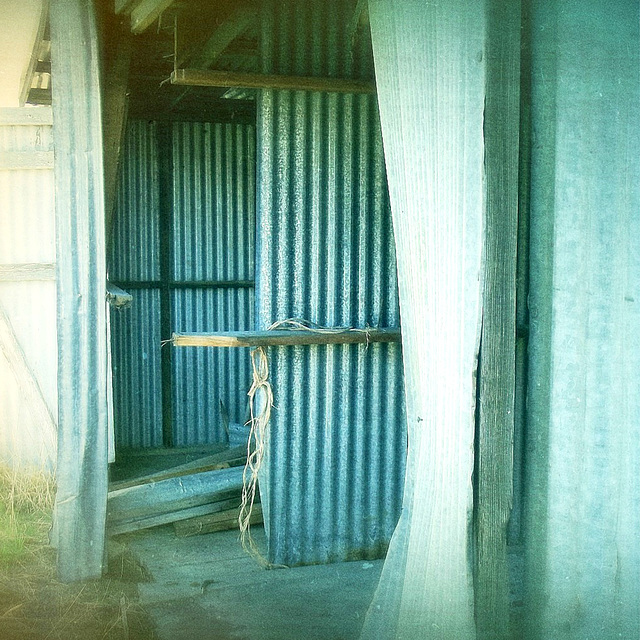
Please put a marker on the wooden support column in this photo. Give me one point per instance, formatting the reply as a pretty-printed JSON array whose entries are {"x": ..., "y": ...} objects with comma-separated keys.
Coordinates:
[
  {"x": 80, "y": 509},
  {"x": 115, "y": 115},
  {"x": 583, "y": 433},
  {"x": 430, "y": 73},
  {"x": 496, "y": 375}
]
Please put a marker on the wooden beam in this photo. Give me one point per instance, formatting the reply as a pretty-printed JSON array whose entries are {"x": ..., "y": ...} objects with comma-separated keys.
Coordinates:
[
  {"x": 231, "y": 457},
  {"x": 25, "y": 379},
  {"x": 284, "y": 338},
  {"x": 496, "y": 371},
  {"x": 33, "y": 61},
  {"x": 28, "y": 117},
  {"x": 146, "y": 522},
  {"x": 114, "y": 119},
  {"x": 83, "y": 419},
  {"x": 146, "y": 12},
  {"x": 123, "y": 6},
  {"x": 235, "y": 25},
  {"x": 173, "y": 494},
  {"x": 27, "y": 272},
  {"x": 16, "y": 160},
  {"x": 229, "y": 79},
  {"x": 212, "y": 523}
]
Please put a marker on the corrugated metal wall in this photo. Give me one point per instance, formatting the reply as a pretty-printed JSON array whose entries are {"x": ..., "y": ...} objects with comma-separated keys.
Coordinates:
[
  {"x": 325, "y": 252},
  {"x": 186, "y": 254},
  {"x": 135, "y": 263},
  {"x": 213, "y": 242},
  {"x": 27, "y": 295}
]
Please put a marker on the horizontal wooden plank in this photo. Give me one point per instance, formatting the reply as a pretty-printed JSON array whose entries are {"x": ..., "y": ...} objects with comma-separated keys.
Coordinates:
[
  {"x": 146, "y": 522},
  {"x": 13, "y": 160},
  {"x": 285, "y": 337},
  {"x": 25, "y": 272},
  {"x": 214, "y": 522},
  {"x": 146, "y": 12},
  {"x": 27, "y": 116},
  {"x": 232, "y": 457},
  {"x": 174, "y": 494},
  {"x": 241, "y": 80}
]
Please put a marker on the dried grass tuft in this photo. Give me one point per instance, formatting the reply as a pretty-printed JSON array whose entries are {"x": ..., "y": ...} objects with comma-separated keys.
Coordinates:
[{"x": 33, "y": 604}]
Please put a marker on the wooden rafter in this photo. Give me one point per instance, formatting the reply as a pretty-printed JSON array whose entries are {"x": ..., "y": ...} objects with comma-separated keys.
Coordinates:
[
  {"x": 209, "y": 78},
  {"x": 241, "y": 18},
  {"x": 143, "y": 12},
  {"x": 33, "y": 62}
]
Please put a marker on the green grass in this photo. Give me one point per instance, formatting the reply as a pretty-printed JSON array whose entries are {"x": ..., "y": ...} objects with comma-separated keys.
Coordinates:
[
  {"x": 34, "y": 605},
  {"x": 26, "y": 503}
]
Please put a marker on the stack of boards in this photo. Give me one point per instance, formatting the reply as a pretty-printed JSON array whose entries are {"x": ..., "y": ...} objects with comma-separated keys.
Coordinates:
[{"x": 201, "y": 496}]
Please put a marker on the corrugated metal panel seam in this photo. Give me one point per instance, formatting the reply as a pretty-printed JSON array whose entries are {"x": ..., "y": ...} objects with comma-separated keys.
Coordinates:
[
  {"x": 335, "y": 464},
  {"x": 205, "y": 278}
]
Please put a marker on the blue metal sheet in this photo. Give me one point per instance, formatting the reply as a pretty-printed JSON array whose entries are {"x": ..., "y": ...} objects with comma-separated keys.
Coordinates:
[
  {"x": 211, "y": 237},
  {"x": 135, "y": 253},
  {"x": 135, "y": 344},
  {"x": 214, "y": 201},
  {"x": 325, "y": 252},
  {"x": 202, "y": 378}
]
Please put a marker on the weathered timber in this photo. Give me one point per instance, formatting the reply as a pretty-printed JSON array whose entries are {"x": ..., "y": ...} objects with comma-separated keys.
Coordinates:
[
  {"x": 118, "y": 527},
  {"x": 17, "y": 115},
  {"x": 221, "y": 521},
  {"x": 496, "y": 375},
  {"x": 15, "y": 160},
  {"x": 241, "y": 80},
  {"x": 232, "y": 457},
  {"x": 146, "y": 12},
  {"x": 285, "y": 337},
  {"x": 25, "y": 272},
  {"x": 430, "y": 71},
  {"x": 174, "y": 493},
  {"x": 200, "y": 450},
  {"x": 83, "y": 417},
  {"x": 242, "y": 17}
]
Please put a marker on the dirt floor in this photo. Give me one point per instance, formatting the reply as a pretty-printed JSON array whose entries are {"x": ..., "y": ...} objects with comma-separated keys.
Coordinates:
[
  {"x": 34, "y": 605},
  {"x": 207, "y": 587}
]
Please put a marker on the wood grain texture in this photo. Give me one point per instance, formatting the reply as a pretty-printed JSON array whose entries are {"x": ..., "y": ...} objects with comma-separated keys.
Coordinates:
[
  {"x": 430, "y": 74},
  {"x": 583, "y": 442},
  {"x": 209, "y": 78},
  {"x": 20, "y": 160},
  {"x": 496, "y": 375},
  {"x": 284, "y": 338},
  {"x": 28, "y": 271},
  {"x": 80, "y": 257}
]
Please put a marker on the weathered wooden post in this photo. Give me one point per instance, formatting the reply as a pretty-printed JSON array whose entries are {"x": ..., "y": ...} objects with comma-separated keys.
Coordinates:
[
  {"x": 430, "y": 73},
  {"x": 583, "y": 453},
  {"x": 81, "y": 279}
]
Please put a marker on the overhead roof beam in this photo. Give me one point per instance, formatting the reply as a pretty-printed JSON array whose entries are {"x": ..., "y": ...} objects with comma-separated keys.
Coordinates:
[
  {"x": 143, "y": 12},
  {"x": 229, "y": 79},
  {"x": 27, "y": 80},
  {"x": 235, "y": 25}
]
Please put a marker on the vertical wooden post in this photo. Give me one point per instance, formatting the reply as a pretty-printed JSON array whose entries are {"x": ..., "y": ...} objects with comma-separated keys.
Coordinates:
[
  {"x": 115, "y": 115},
  {"x": 583, "y": 441},
  {"x": 430, "y": 73},
  {"x": 496, "y": 374},
  {"x": 80, "y": 510}
]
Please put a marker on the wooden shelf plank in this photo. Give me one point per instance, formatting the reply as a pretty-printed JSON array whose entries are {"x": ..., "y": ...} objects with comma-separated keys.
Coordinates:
[
  {"x": 241, "y": 80},
  {"x": 285, "y": 337}
]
